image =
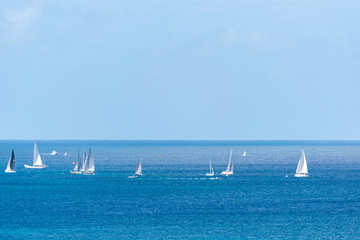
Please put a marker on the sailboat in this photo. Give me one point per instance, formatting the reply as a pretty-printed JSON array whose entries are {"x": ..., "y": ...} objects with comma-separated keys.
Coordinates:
[
  {"x": 302, "y": 170},
  {"x": 211, "y": 173},
  {"x": 230, "y": 164},
  {"x": 78, "y": 166},
  {"x": 138, "y": 171},
  {"x": 37, "y": 162},
  {"x": 11, "y": 166},
  {"x": 89, "y": 164},
  {"x": 138, "y": 168},
  {"x": 244, "y": 154}
]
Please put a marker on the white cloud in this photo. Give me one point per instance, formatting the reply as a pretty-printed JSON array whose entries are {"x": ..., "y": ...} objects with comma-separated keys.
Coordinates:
[
  {"x": 232, "y": 37},
  {"x": 253, "y": 37},
  {"x": 18, "y": 21}
]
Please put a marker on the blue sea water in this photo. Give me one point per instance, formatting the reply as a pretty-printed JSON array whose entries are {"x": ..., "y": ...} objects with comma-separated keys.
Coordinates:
[{"x": 174, "y": 199}]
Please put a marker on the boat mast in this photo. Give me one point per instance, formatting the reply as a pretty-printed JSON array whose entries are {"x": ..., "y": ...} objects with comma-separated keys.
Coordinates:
[
  {"x": 228, "y": 167},
  {"x": 232, "y": 162}
]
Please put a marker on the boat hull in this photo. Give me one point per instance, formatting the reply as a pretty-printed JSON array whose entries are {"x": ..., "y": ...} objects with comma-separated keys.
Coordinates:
[
  {"x": 89, "y": 173},
  {"x": 301, "y": 175},
  {"x": 209, "y": 174},
  {"x": 73, "y": 172},
  {"x": 226, "y": 173},
  {"x": 10, "y": 171},
  {"x": 35, "y": 167}
]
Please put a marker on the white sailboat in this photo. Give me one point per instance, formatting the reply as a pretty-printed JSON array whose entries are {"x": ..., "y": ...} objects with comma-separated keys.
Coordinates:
[
  {"x": 11, "y": 166},
  {"x": 229, "y": 171},
  {"x": 37, "y": 162},
  {"x": 138, "y": 171},
  {"x": 244, "y": 154},
  {"x": 302, "y": 170},
  {"x": 78, "y": 166},
  {"x": 138, "y": 168},
  {"x": 211, "y": 172},
  {"x": 89, "y": 164}
]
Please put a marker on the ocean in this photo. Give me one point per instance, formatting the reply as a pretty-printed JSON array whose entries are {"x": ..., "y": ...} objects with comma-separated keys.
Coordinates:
[{"x": 174, "y": 199}]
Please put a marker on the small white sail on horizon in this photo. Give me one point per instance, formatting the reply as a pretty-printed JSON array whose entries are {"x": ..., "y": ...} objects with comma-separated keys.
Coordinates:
[
  {"x": 37, "y": 162},
  {"x": 138, "y": 168},
  {"x": 138, "y": 171},
  {"x": 90, "y": 164},
  {"x": 211, "y": 172},
  {"x": 302, "y": 169},
  {"x": 229, "y": 171},
  {"x": 11, "y": 166},
  {"x": 244, "y": 154}
]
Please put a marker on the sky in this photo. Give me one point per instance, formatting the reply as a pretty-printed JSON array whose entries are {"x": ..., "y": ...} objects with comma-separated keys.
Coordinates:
[{"x": 180, "y": 70}]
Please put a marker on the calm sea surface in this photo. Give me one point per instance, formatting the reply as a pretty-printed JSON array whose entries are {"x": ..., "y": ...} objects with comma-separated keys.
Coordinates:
[{"x": 174, "y": 199}]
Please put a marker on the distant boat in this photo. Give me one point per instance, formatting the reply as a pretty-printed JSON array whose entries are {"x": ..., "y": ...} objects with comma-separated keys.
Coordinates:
[
  {"x": 138, "y": 171},
  {"x": 211, "y": 172},
  {"x": 11, "y": 166},
  {"x": 229, "y": 171},
  {"x": 37, "y": 162},
  {"x": 286, "y": 175},
  {"x": 53, "y": 153},
  {"x": 244, "y": 154},
  {"x": 138, "y": 168},
  {"x": 302, "y": 170},
  {"x": 65, "y": 154},
  {"x": 78, "y": 166},
  {"x": 89, "y": 164}
]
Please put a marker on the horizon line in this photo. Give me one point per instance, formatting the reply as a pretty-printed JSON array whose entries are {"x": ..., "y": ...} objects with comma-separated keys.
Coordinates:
[{"x": 48, "y": 139}]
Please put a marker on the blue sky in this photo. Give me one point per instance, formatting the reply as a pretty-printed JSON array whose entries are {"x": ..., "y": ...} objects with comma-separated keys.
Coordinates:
[{"x": 155, "y": 69}]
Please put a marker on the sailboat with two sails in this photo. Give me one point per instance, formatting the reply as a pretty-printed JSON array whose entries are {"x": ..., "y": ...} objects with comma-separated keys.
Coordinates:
[
  {"x": 302, "y": 169},
  {"x": 89, "y": 165},
  {"x": 11, "y": 166},
  {"x": 230, "y": 167},
  {"x": 37, "y": 162}
]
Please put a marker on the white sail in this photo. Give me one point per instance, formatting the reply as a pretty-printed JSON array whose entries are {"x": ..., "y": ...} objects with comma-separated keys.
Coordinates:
[
  {"x": 230, "y": 166},
  {"x": 37, "y": 162},
  {"x": 76, "y": 168},
  {"x": 244, "y": 154},
  {"x": 37, "y": 158},
  {"x": 83, "y": 162},
  {"x": 90, "y": 164},
  {"x": 302, "y": 169},
  {"x": 138, "y": 168},
  {"x": 11, "y": 166}
]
